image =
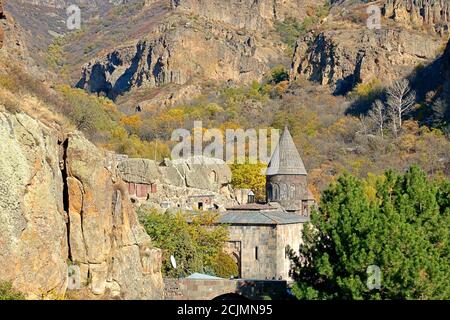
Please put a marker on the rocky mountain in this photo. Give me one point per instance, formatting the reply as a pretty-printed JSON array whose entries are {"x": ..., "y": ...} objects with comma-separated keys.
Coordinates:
[
  {"x": 344, "y": 51},
  {"x": 344, "y": 58},
  {"x": 196, "y": 41}
]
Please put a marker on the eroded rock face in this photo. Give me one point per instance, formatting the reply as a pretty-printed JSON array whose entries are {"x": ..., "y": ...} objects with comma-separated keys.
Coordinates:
[
  {"x": 179, "y": 182},
  {"x": 254, "y": 15},
  {"x": 343, "y": 58},
  {"x": 62, "y": 204},
  {"x": 189, "y": 51},
  {"x": 418, "y": 12},
  {"x": 33, "y": 233},
  {"x": 105, "y": 236}
]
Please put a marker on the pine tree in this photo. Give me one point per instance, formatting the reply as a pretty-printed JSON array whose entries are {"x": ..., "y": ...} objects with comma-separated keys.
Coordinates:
[{"x": 404, "y": 231}]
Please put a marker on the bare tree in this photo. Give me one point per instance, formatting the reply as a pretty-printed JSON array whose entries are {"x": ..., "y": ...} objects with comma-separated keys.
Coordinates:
[
  {"x": 378, "y": 116},
  {"x": 400, "y": 100},
  {"x": 363, "y": 125}
]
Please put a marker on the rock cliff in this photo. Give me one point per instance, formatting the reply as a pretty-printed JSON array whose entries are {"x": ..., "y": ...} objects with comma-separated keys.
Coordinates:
[
  {"x": 193, "y": 42},
  {"x": 254, "y": 15},
  {"x": 417, "y": 13},
  {"x": 182, "y": 50},
  {"x": 63, "y": 204},
  {"x": 343, "y": 58}
]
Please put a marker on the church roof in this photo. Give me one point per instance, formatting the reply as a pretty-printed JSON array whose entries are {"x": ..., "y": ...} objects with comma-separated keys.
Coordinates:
[
  {"x": 286, "y": 159},
  {"x": 261, "y": 218}
]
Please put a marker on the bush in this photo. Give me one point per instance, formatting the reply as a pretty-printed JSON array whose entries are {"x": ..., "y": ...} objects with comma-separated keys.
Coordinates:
[
  {"x": 224, "y": 266},
  {"x": 8, "y": 293},
  {"x": 279, "y": 74},
  {"x": 197, "y": 246}
]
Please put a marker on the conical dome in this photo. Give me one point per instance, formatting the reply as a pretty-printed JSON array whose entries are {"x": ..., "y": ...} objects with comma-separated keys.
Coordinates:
[{"x": 286, "y": 159}]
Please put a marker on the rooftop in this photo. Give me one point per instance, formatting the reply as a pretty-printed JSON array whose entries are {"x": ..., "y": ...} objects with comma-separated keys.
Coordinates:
[
  {"x": 254, "y": 207},
  {"x": 286, "y": 159},
  {"x": 261, "y": 218}
]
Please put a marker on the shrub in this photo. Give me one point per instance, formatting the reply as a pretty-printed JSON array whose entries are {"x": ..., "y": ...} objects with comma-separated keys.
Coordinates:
[
  {"x": 224, "y": 266},
  {"x": 7, "y": 292},
  {"x": 197, "y": 246}
]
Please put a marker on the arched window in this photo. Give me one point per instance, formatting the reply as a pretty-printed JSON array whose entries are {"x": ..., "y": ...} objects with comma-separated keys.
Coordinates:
[
  {"x": 213, "y": 177},
  {"x": 270, "y": 192},
  {"x": 292, "y": 192},
  {"x": 276, "y": 192}
]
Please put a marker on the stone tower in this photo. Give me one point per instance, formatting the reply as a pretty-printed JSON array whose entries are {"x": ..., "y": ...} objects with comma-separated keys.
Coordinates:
[{"x": 286, "y": 178}]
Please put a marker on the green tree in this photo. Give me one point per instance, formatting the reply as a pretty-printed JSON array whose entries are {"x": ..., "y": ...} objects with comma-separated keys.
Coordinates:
[
  {"x": 196, "y": 242},
  {"x": 404, "y": 232}
]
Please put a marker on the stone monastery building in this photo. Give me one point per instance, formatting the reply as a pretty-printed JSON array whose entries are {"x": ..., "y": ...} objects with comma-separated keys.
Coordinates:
[{"x": 261, "y": 234}]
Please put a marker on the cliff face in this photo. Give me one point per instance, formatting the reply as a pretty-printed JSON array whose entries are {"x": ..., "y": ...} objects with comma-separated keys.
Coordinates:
[
  {"x": 417, "y": 13},
  {"x": 181, "y": 51},
  {"x": 343, "y": 58},
  {"x": 409, "y": 13},
  {"x": 2, "y": 16},
  {"x": 344, "y": 51},
  {"x": 62, "y": 203},
  {"x": 182, "y": 183},
  {"x": 254, "y": 15},
  {"x": 190, "y": 42}
]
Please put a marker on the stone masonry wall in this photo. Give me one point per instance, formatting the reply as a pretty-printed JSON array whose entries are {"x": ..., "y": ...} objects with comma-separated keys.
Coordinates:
[
  {"x": 263, "y": 237},
  {"x": 198, "y": 289},
  {"x": 287, "y": 235}
]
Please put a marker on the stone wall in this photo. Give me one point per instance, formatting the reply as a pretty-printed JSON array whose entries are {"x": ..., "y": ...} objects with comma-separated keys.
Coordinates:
[
  {"x": 250, "y": 237},
  {"x": 289, "y": 235},
  {"x": 271, "y": 241},
  {"x": 198, "y": 289}
]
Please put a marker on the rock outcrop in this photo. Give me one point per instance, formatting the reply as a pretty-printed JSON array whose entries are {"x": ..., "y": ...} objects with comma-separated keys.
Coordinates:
[
  {"x": 343, "y": 58},
  {"x": 182, "y": 183},
  {"x": 431, "y": 15},
  {"x": 183, "y": 50},
  {"x": 105, "y": 237},
  {"x": 253, "y": 15},
  {"x": 33, "y": 233},
  {"x": 62, "y": 204},
  {"x": 417, "y": 13}
]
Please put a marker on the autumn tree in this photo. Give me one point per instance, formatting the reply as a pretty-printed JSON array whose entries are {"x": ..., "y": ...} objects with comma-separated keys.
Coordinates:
[
  {"x": 250, "y": 176},
  {"x": 195, "y": 240}
]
